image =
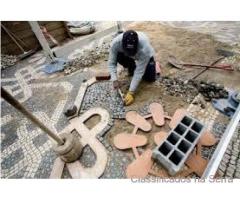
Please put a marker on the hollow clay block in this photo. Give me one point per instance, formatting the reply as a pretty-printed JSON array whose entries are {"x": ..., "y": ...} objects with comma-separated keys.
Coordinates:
[
  {"x": 140, "y": 167},
  {"x": 137, "y": 120},
  {"x": 126, "y": 141}
]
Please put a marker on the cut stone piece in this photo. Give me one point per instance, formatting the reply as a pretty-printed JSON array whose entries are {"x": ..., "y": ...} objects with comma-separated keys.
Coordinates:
[
  {"x": 196, "y": 163},
  {"x": 137, "y": 120},
  {"x": 178, "y": 115},
  {"x": 126, "y": 141},
  {"x": 157, "y": 113},
  {"x": 208, "y": 139},
  {"x": 57, "y": 168},
  {"x": 102, "y": 76},
  {"x": 140, "y": 167},
  {"x": 76, "y": 170},
  {"x": 159, "y": 137}
]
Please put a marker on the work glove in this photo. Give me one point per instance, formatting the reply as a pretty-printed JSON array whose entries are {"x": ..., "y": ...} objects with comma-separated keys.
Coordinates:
[{"x": 129, "y": 98}]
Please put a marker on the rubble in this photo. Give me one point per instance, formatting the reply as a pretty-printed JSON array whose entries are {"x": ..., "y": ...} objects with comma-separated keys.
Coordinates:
[
  {"x": 88, "y": 58},
  {"x": 210, "y": 90},
  {"x": 177, "y": 87},
  {"x": 8, "y": 60}
]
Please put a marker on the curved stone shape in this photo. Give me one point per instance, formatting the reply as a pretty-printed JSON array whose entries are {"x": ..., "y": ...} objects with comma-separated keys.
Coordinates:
[
  {"x": 157, "y": 112},
  {"x": 140, "y": 167},
  {"x": 159, "y": 137},
  {"x": 126, "y": 141},
  {"x": 137, "y": 120},
  {"x": 81, "y": 93},
  {"x": 208, "y": 139},
  {"x": 76, "y": 169},
  {"x": 178, "y": 115}
]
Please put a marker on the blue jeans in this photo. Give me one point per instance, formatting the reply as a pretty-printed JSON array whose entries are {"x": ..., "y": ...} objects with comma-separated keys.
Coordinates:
[{"x": 129, "y": 63}]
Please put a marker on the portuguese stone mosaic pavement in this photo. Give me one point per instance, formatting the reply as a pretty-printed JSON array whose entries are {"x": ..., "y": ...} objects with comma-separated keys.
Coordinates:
[{"x": 26, "y": 151}]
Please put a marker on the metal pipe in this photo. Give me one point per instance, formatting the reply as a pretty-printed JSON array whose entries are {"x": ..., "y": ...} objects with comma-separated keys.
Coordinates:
[
  {"x": 213, "y": 164},
  {"x": 37, "y": 31},
  {"x": 16, "y": 104}
]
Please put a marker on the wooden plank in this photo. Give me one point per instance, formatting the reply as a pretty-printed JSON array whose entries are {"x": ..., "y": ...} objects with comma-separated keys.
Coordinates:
[
  {"x": 24, "y": 32},
  {"x": 12, "y": 48},
  {"x": 27, "y": 41},
  {"x": 51, "y": 26},
  {"x": 57, "y": 32},
  {"x": 61, "y": 38},
  {"x": 17, "y": 25}
]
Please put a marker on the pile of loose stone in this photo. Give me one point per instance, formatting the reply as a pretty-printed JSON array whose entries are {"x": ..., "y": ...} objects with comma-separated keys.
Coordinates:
[
  {"x": 210, "y": 90},
  {"x": 88, "y": 58},
  {"x": 103, "y": 95},
  {"x": 177, "y": 87},
  {"x": 8, "y": 60}
]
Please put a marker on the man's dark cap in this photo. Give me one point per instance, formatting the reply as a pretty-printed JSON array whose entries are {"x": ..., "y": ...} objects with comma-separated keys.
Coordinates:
[{"x": 130, "y": 42}]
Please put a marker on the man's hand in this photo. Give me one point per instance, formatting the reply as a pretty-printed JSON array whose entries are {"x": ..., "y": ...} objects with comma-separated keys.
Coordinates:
[
  {"x": 116, "y": 84},
  {"x": 129, "y": 98}
]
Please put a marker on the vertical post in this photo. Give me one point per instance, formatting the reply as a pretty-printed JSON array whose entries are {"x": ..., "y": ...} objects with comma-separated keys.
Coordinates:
[
  {"x": 119, "y": 27},
  {"x": 43, "y": 42}
]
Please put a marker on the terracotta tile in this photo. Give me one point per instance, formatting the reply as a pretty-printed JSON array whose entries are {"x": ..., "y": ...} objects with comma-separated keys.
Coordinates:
[
  {"x": 140, "y": 167},
  {"x": 196, "y": 163},
  {"x": 135, "y": 152},
  {"x": 147, "y": 116},
  {"x": 179, "y": 113},
  {"x": 157, "y": 112},
  {"x": 159, "y": 137},
  {"x": 208, "y": 139},
  {"x": 137, "y": 120},
  {"x": 126, "y": 141}
]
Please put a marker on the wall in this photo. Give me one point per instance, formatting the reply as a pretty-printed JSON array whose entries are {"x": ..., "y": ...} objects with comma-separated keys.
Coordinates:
[{"x": 23, "y": 31}]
